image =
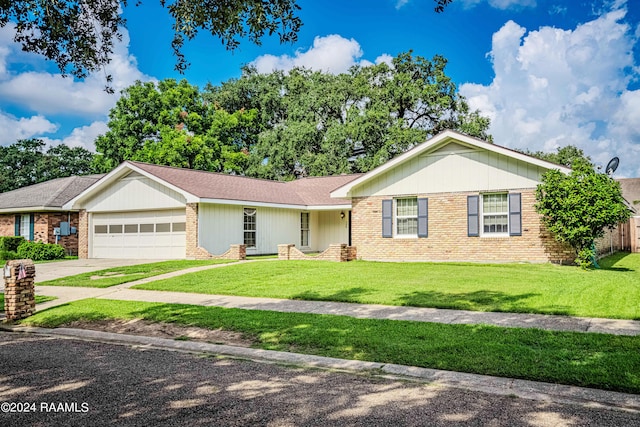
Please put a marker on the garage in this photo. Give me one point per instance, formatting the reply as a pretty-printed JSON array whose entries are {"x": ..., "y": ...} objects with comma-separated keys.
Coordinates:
[{"x": 157, "y": 234}]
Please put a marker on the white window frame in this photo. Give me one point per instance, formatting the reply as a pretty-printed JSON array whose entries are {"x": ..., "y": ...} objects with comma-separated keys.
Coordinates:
[
  {"x": 25, "y": 226},
  {"x": 398, "y": 218},
  {"x": 484, "y": 215},
  {"x": 248, "y": 213},
  {"x": 304, "y": 231}
]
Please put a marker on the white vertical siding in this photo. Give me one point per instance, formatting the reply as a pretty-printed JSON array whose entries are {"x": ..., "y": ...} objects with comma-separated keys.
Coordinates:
[
  {"x": 331, "y": 229},
  {"x": 222, "y": 225},
  {"x": 451, "y": 169},
  {"x": 135, "y": 192}
]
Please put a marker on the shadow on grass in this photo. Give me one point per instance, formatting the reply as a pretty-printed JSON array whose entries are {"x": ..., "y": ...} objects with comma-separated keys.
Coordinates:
[
  {"x": 345, "y": 295},
  {"x": 609, "y": 262},
  {"x": 479, "y": 301}
]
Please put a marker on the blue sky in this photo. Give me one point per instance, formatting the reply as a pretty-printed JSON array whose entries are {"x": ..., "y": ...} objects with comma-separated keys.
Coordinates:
[{"x": 547, "y": 72}]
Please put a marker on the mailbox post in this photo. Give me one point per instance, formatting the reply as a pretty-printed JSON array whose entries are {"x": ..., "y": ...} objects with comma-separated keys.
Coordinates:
[{"x": 19, "y": 290}]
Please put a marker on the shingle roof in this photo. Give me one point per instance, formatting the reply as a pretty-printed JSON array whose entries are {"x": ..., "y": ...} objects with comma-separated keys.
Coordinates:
[
  {"x": 48, "y": 194},
  {"x": 208, "y": 185}
]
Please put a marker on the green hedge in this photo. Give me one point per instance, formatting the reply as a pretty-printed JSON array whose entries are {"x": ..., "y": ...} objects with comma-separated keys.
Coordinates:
[
  {"x": 38, "y": 251},
  {"x": 7, "y": 255},
  {"x": 10, "y": 243}
]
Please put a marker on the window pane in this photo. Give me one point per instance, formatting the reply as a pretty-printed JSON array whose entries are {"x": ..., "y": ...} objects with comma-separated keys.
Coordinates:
[
  {"x": 131, "y": 228},
  {"x": 100, "y": 229},
  {"x": 407, "y": 207},
  {"x": 115, "y": 228},
  {"x": 164, "y": 227},
  {"x": 179, "y": 226},
  {"x": 146, "y": 228}
]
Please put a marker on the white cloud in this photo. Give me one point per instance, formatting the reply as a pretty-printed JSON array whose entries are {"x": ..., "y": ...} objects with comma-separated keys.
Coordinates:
[
  {"x": 501, "y": 4},
  {"x": 333, "y": 53},
  {"x": 555, "y": 87},
  {"x": 14, "y": 128},
  {"x": 84, "y": 136},
  {"x": 47, "y": 93}
]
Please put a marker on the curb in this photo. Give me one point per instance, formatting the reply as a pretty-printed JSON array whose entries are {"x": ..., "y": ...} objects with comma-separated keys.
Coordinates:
[{"x": 556, "y": 393}]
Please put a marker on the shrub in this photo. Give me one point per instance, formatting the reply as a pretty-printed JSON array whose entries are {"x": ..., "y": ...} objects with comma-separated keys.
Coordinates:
[
  {"x": 10, "y": 243},
  {"x": 7, "y": 255},
  {"x": 38, "y": 251}
]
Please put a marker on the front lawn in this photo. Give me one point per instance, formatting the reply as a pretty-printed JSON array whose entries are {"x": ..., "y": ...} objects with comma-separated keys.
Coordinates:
[
  {"x": 118, "y": 275},
  {"x": 588, "y": 360},
  {"x": 611, "y": 292}
]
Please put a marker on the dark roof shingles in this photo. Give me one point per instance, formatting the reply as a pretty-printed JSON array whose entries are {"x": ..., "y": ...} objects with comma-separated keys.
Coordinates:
[{"x": 49, "y": 194}]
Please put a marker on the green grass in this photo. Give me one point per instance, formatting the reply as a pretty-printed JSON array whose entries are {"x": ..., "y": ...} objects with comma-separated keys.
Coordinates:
[
  {"x": 118, "y": 275},
  {"x": 588, "y": 360},
  {"x": 611, "y": 292},
  {"x": 39, "y": 299}
]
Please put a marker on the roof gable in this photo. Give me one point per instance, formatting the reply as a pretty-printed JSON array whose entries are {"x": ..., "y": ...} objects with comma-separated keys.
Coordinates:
[{"x": 449, "y": 162}]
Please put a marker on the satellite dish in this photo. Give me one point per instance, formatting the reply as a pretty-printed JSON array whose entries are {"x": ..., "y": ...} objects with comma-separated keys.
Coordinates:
[{"x": 612, "y": 166}]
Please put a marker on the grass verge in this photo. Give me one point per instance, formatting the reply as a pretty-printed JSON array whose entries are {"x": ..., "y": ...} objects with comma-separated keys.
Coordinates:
[
  {"x": 611, "y": 292},
  {"x": 118, "y": 275},
  {"x": 590, "y": 360}
]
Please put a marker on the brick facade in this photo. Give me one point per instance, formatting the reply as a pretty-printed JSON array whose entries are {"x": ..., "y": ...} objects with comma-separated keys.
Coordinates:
[
  {"x": 193, "y": 251},
  {"x": 448, "y": 240},
  {"x": 43, "y": 225},
  {"x": 339, "y": 252},
  {"x": 83, "y": 234}
]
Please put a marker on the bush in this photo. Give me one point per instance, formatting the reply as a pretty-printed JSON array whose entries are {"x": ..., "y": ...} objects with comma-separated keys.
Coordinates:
[
  {"x": 38, "y": 251},
  {"x": 7, "y": 255},
  {"x": 10, "y": 243}
]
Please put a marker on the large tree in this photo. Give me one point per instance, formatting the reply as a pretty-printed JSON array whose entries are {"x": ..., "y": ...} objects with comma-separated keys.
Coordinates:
[
  {"x": 314, "y": 123},
  {"x": 79, "y": 35},
  {"x": 577, "y": 207},
  {"x": 170, "y": 123},
  {"x": 27, "y": 162}
]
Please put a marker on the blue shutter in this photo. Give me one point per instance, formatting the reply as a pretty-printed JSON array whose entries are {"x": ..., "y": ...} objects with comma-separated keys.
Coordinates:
[
  {"x": 17, "y": 226},
  {"x": 31, "y": 227},
  {"x": 515, "y": 214},
  {"x": 473, "y": 216},
  {"x": 387, "y": 218},
  {"x": 423, "y": 217}
]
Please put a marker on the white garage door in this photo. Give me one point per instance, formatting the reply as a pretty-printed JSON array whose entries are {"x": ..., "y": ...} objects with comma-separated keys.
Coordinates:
[{"x": 144, "y": 235}]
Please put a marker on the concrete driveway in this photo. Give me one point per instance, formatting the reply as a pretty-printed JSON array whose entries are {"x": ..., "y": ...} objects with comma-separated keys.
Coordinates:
[{"x": 56, "y": 270}]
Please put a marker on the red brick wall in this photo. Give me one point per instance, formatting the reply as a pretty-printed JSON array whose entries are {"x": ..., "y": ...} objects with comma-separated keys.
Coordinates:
[
  {"x": 448, "y": 240},
  {"x": 43, "y": 225}
]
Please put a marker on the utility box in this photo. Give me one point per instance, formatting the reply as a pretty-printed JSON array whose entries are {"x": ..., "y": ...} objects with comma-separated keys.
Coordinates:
[
  {"x": 74, "y": 230},
  {"x": 65, "y": 229}
]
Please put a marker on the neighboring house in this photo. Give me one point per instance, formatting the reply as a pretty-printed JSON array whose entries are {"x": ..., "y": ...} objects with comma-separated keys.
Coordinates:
[
  {"x": 630, "y": 238},
  {"x": 34, "y": 212},
  {"x": 140, "y": 210},
  {"x": 452, "y": 198}
]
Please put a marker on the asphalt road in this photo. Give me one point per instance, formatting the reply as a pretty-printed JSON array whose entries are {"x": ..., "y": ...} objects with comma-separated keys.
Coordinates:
[{"x": 108, "y": 384}]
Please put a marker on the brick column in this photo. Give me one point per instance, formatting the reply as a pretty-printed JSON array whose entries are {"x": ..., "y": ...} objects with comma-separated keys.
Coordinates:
[
  {"x": 192, "y": 231},
  {"x": 19, "y": 294},
  {"x": 83, "y": 234},
  {"x": 283, "y": 250}
]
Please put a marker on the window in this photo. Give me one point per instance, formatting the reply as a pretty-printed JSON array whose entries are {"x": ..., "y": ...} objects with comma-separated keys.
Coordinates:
[
  {"x": 250, "y": 227},
  {"x": 304, "y": 229},
  {"x": 100, "y": 229},
  {"x": 25, "y": 226},
  {"x": 495, "y": 213},
  {"x": 146, "y": 228},
  {"x": 131, "y": 228},
  {"x": 179, "y": 226},
  {"x": 163, "y": 227},
  {"x": 407, "y": 217},
  {"x": 115, "y": 228}
]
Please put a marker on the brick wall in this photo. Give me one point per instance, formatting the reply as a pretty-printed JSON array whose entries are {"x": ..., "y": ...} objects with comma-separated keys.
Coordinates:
[
  {"x": 83, "y": 234},
  {"x": 339, "y": 252},
  {"x": 43, "y": 225},
  {"x": 448, "y": 240},
  {"x": 7, "y": 225},
  {"x": 193, "y": 251}
]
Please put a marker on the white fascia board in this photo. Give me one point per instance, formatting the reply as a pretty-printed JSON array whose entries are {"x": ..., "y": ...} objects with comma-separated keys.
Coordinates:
[
  {"x": 274, "y": 205},
  {"x": 440, "y": 139},
  {"x": 120, "y": 171},
  {"x": 34, "y": 209}
]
